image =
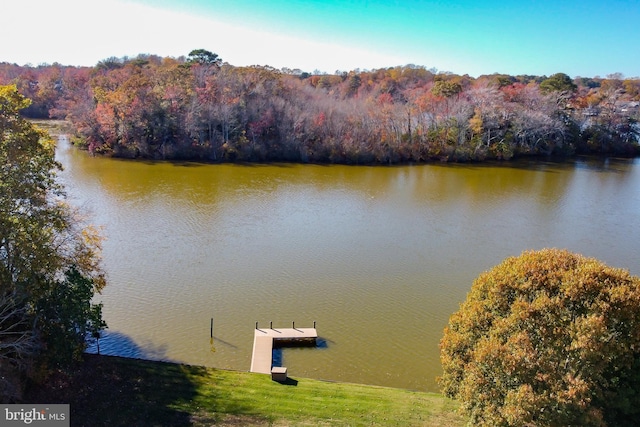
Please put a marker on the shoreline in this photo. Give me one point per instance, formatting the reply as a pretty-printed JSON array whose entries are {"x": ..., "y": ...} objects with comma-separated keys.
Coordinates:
[{"x": 114, "y": 391}]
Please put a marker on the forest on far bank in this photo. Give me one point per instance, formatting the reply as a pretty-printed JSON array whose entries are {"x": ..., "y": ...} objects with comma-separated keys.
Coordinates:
[{"x": 199, "y": 108}]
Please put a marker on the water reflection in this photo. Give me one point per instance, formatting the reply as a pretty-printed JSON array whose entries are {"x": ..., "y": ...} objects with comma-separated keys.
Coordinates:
[{"x": 118, "y": 344}]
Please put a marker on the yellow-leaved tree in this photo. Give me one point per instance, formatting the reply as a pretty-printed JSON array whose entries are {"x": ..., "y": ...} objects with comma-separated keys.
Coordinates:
[{"x": 548, "y": 338}]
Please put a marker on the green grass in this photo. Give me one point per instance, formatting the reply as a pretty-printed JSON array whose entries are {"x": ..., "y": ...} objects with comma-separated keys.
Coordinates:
[{"x": 112, "y": 391}]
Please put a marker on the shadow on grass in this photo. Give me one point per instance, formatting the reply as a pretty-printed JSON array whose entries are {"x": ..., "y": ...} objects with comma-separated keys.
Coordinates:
[
  {"x": 116, "y": 391},
  {"x": 290, "y": 381}
]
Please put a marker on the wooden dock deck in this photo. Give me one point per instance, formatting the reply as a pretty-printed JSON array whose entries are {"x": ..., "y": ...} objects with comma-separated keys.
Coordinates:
[{"x": 263, "y": 338}]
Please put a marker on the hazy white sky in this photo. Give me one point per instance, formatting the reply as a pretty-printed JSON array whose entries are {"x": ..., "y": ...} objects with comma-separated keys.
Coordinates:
[
  {"x": 83, "y": 32},
  {"x": 585, "y": 38}
]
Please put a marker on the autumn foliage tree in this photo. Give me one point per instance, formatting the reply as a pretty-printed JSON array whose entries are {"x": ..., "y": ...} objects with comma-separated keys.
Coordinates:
[
  {"x": 548, "y": 338},
  {"x": 201, "y": 108}
]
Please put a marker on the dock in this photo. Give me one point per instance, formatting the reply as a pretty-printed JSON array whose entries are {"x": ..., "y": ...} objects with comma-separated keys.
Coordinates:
[{"x": 264, "y": 339}]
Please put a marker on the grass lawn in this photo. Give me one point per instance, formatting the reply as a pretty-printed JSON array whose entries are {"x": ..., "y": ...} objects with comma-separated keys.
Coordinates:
[{"x": 113, "y": 391}]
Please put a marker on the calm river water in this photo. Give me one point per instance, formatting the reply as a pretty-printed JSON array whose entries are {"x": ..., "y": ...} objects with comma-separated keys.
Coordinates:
[{"x": 379, "y": 257}]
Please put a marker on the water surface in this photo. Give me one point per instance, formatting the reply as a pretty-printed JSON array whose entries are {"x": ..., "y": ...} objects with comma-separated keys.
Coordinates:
[{"x": 379, "y": 256}]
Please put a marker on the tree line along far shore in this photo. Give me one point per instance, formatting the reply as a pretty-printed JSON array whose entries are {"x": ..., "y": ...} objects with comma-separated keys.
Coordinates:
[{"x": 199, "y": 108}]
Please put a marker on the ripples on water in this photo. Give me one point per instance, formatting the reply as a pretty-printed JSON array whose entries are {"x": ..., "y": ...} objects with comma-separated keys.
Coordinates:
[{"x": 378, "y": 256}]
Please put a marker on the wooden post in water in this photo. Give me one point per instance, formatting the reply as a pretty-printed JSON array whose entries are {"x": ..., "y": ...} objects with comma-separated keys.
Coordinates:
[
  {"x": 293, "y": 325},
  {"x": 270, "y": 325},
  {"x": 256, "y": 325},
  {"x": 314, "y": 324},
  {"x": 212, "y": 327}
]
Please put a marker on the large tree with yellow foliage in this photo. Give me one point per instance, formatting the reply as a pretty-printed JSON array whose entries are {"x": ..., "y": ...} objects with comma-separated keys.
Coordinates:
[
  {"x": 547, "y": 338},
  {"x": 49, "y": 261}
]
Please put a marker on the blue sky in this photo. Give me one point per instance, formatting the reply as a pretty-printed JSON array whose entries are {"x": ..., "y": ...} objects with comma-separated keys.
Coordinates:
[{"x": 580, "y": 38}]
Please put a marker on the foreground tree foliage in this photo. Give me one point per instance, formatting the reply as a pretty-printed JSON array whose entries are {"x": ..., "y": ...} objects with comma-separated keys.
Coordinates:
[
  {"x": 547, "y": 338},
  {"x": 49, "y": 264}
]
